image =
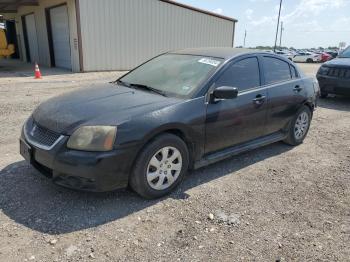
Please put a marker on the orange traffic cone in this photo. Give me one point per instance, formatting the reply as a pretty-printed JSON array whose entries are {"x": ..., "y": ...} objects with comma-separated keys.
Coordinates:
[{"x": 37, "y": 74}]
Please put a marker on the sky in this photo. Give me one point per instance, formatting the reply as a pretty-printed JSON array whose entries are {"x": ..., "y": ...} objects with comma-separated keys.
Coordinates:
[{"x": 307, "y": 23}]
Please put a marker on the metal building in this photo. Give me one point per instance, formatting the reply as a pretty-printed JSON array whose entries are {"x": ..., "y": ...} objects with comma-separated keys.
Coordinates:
[{"x": 95, "y": 35}]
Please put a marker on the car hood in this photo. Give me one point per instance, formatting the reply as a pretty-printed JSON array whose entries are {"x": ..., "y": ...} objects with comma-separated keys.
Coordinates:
[
  {"x": 107, "y": 104},
  {"x": 338, "y": 62}
]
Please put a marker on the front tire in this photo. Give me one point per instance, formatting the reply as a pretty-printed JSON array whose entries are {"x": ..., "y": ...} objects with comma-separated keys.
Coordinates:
[
  {"x": 299, "y": 127},
  {"x": 160, "y": 167},
  {"x": 309, "y": 60}
]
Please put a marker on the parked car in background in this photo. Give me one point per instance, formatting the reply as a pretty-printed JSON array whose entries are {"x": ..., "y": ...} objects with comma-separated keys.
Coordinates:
[
  {"x": 285, "y": 54},
  {"x": 307, "y": 57},
  {"x": 325, "y": 57},
  {"x": 180, "y": 110},
  {"x": 334, "y": 76},
  {"x": 334, "y": 54}
]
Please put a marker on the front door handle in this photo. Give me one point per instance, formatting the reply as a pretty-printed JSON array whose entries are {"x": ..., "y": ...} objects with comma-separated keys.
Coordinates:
[
  {"x": 259, "y": 99},
  {"x": 298, "y": 88}
]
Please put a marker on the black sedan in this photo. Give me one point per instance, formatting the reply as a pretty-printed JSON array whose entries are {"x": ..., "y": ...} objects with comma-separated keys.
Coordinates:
[
  {"x": 178, "y": 111},
  {"x": 334, "y": 76}
]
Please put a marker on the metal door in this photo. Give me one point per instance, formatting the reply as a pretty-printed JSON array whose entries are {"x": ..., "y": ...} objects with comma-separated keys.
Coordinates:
[
  {"x": 60, "y": 37},
  {"x": 32, "y": 38}
]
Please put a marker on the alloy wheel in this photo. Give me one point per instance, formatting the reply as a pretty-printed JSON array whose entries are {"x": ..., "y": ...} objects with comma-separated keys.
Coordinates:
[{"x": 301, "y": 126}]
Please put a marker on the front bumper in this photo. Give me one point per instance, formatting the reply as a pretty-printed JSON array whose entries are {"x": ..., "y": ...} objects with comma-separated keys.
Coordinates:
[
  {"x": 88, "y": 171},
  {"x": 334, "y": 85}
]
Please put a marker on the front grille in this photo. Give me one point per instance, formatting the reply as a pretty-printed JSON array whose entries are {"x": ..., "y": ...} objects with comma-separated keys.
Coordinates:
[
  {"x": 339, "y": 72},
  {"x": 41, "y": 135}
]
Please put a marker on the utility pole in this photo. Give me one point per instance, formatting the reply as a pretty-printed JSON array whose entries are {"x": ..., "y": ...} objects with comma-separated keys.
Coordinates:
[
  {"x": 278, "y": 24},
  {"x": 282, "y": 28},
  {"x": 245, "y": 36}
]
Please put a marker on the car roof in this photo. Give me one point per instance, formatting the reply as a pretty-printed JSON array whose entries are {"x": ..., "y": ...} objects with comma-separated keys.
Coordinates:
[{"x": 219, "y": 52}]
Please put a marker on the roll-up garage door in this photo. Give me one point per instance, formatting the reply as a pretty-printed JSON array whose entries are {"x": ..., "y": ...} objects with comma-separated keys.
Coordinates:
[
  {"x": 60, "y": 36},
  {"x": 32, "y": 38}
]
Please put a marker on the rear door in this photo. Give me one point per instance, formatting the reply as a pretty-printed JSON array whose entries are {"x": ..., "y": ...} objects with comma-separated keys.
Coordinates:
[
  {"x": 285, "y": 90},
  {"x": 235, "y": 121},
  {"x": 60, "y": 36}
]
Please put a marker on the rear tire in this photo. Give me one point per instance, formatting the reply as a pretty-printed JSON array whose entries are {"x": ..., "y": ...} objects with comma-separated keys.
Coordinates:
[
  {"x": 160, "y": 167},
  {"x": 299, "y": 127}
]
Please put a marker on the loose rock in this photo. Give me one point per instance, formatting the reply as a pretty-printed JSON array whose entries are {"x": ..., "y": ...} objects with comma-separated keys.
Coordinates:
[
  {"x": 53, "y": 242},
  {"x": 71, "y": 250}
]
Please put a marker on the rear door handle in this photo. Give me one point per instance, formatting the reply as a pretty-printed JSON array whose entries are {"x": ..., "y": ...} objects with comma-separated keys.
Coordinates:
[
  {"x": 298, "y": 88},
  {"x": 259, "y": 99}
]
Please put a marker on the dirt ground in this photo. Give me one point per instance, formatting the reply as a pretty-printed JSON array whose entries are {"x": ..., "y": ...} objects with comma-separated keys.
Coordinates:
[{"x": 277, "y": 203}]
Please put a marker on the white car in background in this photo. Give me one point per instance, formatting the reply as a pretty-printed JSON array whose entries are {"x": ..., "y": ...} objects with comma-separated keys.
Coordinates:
[
  {"x": 307, "y": 57},
  {"x": 285, "y": 54}
]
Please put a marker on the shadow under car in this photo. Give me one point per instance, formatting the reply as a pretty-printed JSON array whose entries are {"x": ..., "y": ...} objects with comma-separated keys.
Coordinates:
[{"x": 32, "y": 200}]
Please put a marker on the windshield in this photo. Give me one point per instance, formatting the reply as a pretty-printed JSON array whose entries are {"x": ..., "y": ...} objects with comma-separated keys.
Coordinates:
[
  {"x": 173, "y": 74},
  {"x": 345, "y": 53}
]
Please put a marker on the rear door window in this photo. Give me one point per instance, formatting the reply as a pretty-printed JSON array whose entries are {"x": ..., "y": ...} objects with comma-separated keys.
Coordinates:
[
  {"x": 276, "y": 70},
  {"x": 243, "y": 74}
]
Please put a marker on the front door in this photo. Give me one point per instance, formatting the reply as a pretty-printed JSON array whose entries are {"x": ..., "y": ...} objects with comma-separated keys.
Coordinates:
[{"x": 235, "y": 121}]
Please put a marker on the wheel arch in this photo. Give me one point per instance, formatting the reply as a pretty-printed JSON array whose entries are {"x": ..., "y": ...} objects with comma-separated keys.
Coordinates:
[
  {"x": 310, "y": 105},
  {"x": 190, "y": 145},
  {"x": 176, "y": 130}
]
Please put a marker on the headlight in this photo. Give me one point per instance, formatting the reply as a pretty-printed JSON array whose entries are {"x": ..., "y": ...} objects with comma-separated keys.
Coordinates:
[
  {"x": 323, "y": 70},
  {"x": 93, "y": 138}
]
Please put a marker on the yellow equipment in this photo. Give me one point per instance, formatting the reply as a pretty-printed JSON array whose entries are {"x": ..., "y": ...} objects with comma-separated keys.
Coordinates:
[{"x": 6, "y": 50}]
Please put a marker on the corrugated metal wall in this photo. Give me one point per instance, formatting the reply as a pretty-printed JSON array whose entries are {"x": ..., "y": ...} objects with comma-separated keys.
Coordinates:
[{"x": 118, "y": 35}]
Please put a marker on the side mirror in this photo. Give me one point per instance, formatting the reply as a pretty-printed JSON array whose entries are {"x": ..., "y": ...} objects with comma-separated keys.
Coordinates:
[{"x": 225, "y": 92}]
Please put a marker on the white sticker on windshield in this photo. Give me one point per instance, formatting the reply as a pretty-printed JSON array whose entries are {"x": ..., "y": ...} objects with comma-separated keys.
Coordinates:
[{"x": 209, "y": 61}]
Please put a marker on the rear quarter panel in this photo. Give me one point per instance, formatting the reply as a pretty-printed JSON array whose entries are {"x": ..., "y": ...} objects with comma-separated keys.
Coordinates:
[{"x": 312, "y": 91}]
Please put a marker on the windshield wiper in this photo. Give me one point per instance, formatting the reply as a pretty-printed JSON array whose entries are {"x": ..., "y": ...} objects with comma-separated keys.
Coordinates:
[
  {"x": 145, "y": 87},
  {"x": 120, "y": 82}
]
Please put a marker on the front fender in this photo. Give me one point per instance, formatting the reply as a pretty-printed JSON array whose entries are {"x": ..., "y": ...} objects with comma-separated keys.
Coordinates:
[{"x": 186, "y": 118}]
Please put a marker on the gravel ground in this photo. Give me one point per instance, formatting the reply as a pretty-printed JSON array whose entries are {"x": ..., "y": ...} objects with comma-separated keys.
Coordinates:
[{"x": 277, "y": 203}]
